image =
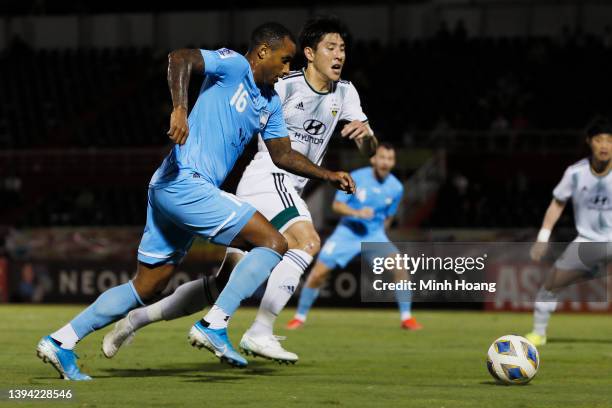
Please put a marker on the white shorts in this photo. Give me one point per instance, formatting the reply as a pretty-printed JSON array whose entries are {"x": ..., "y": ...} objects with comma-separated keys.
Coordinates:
[
  {"x": 273, "y": 194},
  {"x": 585, "y": 255}
]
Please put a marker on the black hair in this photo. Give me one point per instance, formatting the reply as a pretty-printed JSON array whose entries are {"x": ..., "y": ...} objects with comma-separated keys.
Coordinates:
[
  {"x": 315, "y": 29},
  {"x": 597, "y": 126},
  {"x": 270, "y": 33},
  {"x": 386, "y": 145}
]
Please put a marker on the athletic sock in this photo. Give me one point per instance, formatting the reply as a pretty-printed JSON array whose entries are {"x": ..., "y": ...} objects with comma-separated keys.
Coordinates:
[
  {"x": 404, "y": 303},
  {"x": 307, "y": 298},
  {"x": 66, "y": 337},
  {"x": 109, "y": 307},
  {"x": 250, "y": 272},
  {"x": 546, "y": 303},
  {"x": 282, "y": 282}
]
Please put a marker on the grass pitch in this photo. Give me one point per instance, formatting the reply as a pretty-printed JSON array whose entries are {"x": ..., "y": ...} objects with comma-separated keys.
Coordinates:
[{"x": 348, "y": 358}]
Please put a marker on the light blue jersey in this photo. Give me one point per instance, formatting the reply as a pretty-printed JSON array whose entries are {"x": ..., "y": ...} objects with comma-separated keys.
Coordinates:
[
  {"x": 230, "y": 110},
  {"x": 383, "y": 197},
  {"x": 184, "y": 195}
]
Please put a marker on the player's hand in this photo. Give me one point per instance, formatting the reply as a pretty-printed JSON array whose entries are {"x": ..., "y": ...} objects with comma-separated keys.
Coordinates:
[
  {"x": 356, "y": 130},
  {"x": 342, "y": 181},
  {"x": 179, "y": 127},
  {"x": 366, "y": 213},
  {"x": 538, "y": 250}
]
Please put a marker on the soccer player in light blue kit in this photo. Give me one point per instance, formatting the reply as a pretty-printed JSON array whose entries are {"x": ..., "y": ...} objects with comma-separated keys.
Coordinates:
[
  {"x": 366, "y": 214},
  {"x": 237, "y": 101}
]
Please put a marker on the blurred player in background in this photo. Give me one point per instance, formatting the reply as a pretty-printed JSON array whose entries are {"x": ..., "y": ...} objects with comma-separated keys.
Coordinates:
[
  {"x": 236, "y": 101},
  {"x": 314, "y": 100},
  {"x": 589, "y": 185},
  {"x": 365, "y": 216}
]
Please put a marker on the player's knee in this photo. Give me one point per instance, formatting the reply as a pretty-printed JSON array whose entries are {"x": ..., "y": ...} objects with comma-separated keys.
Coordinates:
[
  {"x": 310, "y": 244},
  {"x": 150, "y": 282}
]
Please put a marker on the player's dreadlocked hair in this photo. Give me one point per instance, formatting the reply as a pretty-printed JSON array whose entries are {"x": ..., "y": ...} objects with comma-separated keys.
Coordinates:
[
  {"x": 315, "y": 29},
  {"x": 598, "y": 126},
  {"x": 271, "y": 34}
]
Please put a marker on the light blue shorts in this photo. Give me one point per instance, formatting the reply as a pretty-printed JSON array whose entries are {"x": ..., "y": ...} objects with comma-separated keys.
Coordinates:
[
  {"x": 192, "y": 206},
  {"x": 344, "y": 244}
]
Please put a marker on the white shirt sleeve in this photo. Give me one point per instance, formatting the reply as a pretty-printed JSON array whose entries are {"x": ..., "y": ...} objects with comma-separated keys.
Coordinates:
[
  {"x": 564, "y": 189},
  {"x": 351, "y": 108}
]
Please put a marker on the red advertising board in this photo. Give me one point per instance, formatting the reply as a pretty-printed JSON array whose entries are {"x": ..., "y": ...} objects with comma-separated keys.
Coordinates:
[{"x": 518, "y": 283}]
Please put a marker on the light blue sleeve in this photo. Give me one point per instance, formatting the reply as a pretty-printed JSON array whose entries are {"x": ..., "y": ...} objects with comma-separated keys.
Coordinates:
[
  {"x": 275, "y": 126},
  {"x": 342, "y": 196},
  {"x": 392, "y": 209},
  {"x": 226, "y": 65}
]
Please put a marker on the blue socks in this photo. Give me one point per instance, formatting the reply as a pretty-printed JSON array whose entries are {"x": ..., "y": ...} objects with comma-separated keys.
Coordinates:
[
  {"x": 307, "y": 298},
  {"x": 404, "y": 303},
  {"x": 109, "y": 307},
  {"x": 248, "y": 275}
]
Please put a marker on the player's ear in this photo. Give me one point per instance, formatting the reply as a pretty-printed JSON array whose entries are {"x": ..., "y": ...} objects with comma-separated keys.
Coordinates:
[
  {"x": 309, "y": 53},
  {"x": 263, "y": 51}
]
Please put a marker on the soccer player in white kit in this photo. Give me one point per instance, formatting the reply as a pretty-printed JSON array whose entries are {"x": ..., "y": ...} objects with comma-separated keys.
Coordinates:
[
  {"x": 589, "y": 184},
  {"x": 314, "y": 100}
]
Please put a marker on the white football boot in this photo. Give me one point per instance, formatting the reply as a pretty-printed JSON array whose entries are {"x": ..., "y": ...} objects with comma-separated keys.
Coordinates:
[
  {"x": 267, "y": 346},
  {"x": 122, "y": 333}
]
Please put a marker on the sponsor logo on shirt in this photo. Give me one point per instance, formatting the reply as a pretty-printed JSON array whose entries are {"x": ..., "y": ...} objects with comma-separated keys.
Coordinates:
[
  {"x": 302, "y": 138},
  {"x": 264, "y": 116},
  {"x": 225, "y": 53},
  {"x": 314, "y": 127}
]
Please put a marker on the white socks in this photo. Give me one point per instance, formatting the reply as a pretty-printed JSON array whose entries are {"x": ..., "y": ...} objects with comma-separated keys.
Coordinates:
[
  {"x": 67, "y": 336},
  {"x": 217, "y": 318},
  {"x": 546, "y": 303},
  {"x": 283, "y": 281}
]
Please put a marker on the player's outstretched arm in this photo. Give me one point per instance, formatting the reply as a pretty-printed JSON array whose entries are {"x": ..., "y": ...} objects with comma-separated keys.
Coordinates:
[
  {"x": 343, "y": 209},
  {"x": 554, "y": 211},
  {"x": 180, "y": 64},
  {"x": 294, "y": 162},
  {"x": 363, "y": 135}
]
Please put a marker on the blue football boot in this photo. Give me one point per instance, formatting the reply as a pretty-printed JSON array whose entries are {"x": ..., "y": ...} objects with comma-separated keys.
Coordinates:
[
  {"x": 64, "y": 361},
  {"x": 217, "y": 342}
]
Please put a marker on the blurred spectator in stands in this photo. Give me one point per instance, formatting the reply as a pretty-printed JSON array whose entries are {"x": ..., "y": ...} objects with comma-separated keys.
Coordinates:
[{"x": 33, "y": 284}]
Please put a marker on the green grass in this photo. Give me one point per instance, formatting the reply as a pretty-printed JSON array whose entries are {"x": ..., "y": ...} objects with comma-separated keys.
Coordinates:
[{"x": 349, "y": 358}]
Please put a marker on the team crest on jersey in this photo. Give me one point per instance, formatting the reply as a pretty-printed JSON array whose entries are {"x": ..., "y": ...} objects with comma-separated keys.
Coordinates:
[
  {"x": 334, "y": 107},
  {"x": 362, "y": 194},
  {"x": 225, "y": 53},
  {"x": 264, "y": 116}
]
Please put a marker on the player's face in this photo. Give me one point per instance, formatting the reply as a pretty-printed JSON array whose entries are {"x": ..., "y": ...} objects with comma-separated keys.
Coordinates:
[
  {"x": 383, "y": 161},
  {"x": 277, "y": 62},
  {"x": 601, "y": 147},
  {"x": 329, "y": 57}
]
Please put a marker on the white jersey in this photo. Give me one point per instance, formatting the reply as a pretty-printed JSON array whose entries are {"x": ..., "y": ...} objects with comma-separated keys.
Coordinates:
[
  {"x": 591, "y": 198},
  {"x": 311, "y": 118}
]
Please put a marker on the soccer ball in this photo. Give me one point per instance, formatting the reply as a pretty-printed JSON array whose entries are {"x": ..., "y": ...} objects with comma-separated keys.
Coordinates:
[{"x": 513, "y": 360}]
